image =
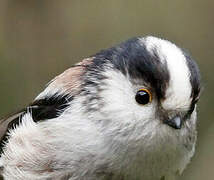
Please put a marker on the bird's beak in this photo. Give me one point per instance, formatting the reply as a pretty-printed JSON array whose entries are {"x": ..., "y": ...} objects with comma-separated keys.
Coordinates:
[{"x": 175, "y": 122}]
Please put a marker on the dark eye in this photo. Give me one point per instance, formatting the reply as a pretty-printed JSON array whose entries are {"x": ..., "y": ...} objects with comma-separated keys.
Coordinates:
[{"x": 143, "y": 96}]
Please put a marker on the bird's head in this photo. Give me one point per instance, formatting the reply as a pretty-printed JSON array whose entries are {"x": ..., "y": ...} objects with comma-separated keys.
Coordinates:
[{"x": 145, "y": 84}]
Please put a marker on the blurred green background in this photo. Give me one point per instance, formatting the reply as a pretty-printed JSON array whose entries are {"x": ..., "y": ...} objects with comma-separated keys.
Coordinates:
[{"x": 41, "y": 38}]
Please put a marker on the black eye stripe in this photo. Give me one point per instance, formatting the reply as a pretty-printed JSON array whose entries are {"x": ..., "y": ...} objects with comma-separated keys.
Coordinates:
[{"x": 134, "y": 60}]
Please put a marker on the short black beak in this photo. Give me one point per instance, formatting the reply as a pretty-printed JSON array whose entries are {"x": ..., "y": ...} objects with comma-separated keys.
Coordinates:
[{"x": 175, "y": 122}]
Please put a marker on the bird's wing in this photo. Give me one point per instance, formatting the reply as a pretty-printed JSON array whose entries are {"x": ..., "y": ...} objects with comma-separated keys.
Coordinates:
[
  {"x": 6, "y": 124},
  {"x": 50, "y": 103}
]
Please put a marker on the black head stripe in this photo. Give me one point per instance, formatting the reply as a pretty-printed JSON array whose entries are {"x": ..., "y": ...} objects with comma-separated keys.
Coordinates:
[
  {"x": 133, "y": 58},
  {"x": 194, "y": 76}
]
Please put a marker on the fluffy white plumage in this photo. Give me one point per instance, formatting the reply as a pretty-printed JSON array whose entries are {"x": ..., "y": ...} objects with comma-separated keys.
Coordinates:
[
  {"x": 179, "y": 89},
  {"x": 103, "y": 133}
]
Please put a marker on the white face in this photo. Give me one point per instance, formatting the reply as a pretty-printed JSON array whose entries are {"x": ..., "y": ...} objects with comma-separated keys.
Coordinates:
[
  {"x": 141, "y": 126},
  {"x": 179, "y": 91},
  {"x": 120, "y": 91},
  {"x": 120, "y": 104}
]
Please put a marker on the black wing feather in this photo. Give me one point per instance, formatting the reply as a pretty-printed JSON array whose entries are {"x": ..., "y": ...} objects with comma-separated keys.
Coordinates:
[{"x": 42, "y": 109}]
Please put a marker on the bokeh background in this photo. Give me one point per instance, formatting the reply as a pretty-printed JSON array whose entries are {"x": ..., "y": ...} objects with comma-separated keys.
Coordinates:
[{"x": 41, "y": 38}]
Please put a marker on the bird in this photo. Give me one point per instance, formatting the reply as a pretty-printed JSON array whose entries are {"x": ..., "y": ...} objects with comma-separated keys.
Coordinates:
[{"x": 125, "y": 113}]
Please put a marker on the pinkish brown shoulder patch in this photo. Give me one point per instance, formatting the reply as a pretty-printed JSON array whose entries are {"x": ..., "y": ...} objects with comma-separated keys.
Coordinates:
[{"x": 69, "y": 81}]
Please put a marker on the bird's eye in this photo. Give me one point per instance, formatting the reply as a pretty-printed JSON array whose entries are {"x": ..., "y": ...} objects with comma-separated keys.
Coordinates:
[{"x": 143, "y": 96}]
